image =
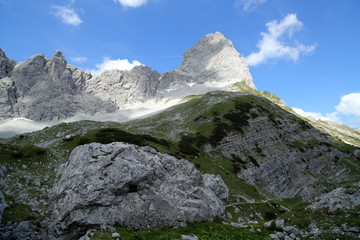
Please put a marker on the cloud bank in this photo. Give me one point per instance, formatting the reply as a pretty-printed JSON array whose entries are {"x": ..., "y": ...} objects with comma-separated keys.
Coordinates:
[
  {"x": 249, "y": 5},
  {"x": 347, "y": 111},
  {"x": 275, "y": 42},
  {"x": 109, "y": 64},
  {"x": 318, "y": 116},
  {"x": 131, "y": 3},
  {"x": 350, "y": 106},
  {"x": 67, "y": 15}
]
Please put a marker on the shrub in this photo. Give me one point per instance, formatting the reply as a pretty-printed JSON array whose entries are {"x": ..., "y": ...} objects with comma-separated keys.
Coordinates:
[
  {"x": 186, "y": 147},
  {"x": 84, "y": 140}
]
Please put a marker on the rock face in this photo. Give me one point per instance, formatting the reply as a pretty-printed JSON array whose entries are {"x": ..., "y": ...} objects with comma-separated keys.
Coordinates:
[
  {"x": 131, "y": 186},
  {"x": 46, "y": 89},
  {"x": 50, "y": 89},
  {"x": 6, "y": 65},
  {"x": 213, "y": 59},
  {"x": 338, "y": 199},
  {"x": 125, "y": 88},
  {"x": 283, "y": 154}
]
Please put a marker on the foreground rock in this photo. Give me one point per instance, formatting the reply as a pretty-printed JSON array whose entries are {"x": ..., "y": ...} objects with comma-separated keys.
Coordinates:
[
  {"x": 338, "y": 199},
  {"x": 131, "y": 186}
]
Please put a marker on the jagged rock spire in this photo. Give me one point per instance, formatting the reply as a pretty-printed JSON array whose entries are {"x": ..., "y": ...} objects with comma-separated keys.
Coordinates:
[{"x": 6, "y": 65}]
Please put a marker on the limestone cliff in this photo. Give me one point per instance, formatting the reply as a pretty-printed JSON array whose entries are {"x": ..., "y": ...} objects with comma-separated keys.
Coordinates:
[
  {"x": 45, "y": 89},
  {"x": 6, "y": 65}
]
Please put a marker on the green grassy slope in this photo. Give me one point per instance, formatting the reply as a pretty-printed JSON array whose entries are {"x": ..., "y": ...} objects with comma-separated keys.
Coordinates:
[{"x": 184, "y": 131}]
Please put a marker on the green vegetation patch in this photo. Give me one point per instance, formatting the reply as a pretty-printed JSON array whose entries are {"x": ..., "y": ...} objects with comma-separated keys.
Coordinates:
[
  {"x": 14, "y": 156},
  {"x": 204, "y": 231},
  {"x": 19, "y": 212}
]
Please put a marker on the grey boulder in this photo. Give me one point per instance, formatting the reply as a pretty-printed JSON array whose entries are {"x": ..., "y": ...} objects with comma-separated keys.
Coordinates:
[{"x": 130, "y": 186}]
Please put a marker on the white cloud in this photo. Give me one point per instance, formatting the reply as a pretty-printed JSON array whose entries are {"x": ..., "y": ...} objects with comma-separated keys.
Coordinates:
[
  {"x": 108, "y": 64},
  {"x": 78, "y": 59},
  {"x": 67, "y": 15},
  {"x": 131, "y": 3},
  {"x": 318, "y": 116},
  {"x": 19, "y": 126},
  {"x": 349, "y": 104},
  {"x": 249, "y": 5},
  {"x": 347, "y": 111},
  {"x": 273, "y": 46},
  {"x": 301, "y": 112}
]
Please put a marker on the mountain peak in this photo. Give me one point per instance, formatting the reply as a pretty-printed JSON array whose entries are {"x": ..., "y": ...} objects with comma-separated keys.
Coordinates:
[
  {"x": 6, "y": 65},
  {"x": 216, "y": 38},
  {"x": 59, "y": 54},
  {"x": 214, "y": 59}
]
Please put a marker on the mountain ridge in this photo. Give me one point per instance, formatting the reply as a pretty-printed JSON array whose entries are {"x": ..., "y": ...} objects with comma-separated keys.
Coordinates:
[{"x": 52, "y": 80}]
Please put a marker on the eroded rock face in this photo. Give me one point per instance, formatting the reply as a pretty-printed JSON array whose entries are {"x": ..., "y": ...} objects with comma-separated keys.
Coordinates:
[
  {"x": 277, "y": 151},
  {"x": 6, "y": 65},
  {"x": 131, "y": 186},
  {"x": 275, "y": 163},
  {"x": 125, "y": 88},
  {"x": 338, "y": 199},
  {"x": 50, "y": 89},
  {"x": 214, "y": 59}
]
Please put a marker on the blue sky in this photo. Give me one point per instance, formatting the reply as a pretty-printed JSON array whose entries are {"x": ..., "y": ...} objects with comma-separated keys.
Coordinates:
[{"x": 305, "y": 51}]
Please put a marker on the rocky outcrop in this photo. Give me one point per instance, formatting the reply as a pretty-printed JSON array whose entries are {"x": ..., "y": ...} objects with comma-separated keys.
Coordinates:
[
  {"x": 6, "y": 65},
  {"x": 6, "y": 68},
  {"x": 50, "y": 89},
  {"x": 284, "y": 155},
  {"x": 6, "y": 109},
  {"x": 21, "y": 231},
  {"x": 125, "y": 88},
  {"x": 339, "y": 199},
  {"x": 213, "y": 59},
  {"x": 130, "y": 186}
]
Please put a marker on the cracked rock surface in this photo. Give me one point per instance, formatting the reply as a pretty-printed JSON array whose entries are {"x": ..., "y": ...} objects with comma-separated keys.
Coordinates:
[{"x": 131, "y": 186}]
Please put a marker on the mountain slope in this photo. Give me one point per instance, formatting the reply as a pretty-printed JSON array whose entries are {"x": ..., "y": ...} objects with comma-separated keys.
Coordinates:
[
  {"x": 261, "y": 151},
  {"x": 271, "y": 147}
]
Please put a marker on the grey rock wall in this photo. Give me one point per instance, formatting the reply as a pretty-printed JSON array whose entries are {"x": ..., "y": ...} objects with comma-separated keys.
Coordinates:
[
  {"x": 46, "y": 89},
  {"x": 6, "y": 65},
  {"x": 338, "y": 199}
]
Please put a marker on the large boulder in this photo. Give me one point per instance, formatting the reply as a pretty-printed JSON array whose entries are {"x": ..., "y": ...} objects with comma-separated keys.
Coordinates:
[{"x": 130, "y": 186}]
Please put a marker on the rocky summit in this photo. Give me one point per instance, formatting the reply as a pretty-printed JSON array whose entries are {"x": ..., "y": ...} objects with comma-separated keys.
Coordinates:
[{"x": 46, "y": 89}]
